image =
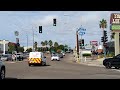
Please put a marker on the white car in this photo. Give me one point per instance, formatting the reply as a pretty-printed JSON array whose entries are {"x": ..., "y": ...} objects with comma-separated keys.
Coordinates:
[
  {"x": 55, "y": 57},
  {"x": 2, "y": 70},
  {"x": 63, "y": 54}
]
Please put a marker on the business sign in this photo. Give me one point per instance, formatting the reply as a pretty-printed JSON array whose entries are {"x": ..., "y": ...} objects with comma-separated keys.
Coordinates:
[
  {"x": 115, "y": 21},
  {"x": 95, "y": 43}
]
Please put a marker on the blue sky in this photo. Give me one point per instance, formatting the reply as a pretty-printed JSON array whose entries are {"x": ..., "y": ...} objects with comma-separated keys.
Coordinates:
[{"x": 63, "y": 33}]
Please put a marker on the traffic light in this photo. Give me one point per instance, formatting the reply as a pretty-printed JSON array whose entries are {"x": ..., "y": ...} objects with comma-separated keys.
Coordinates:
[
  {"x": 105, "y": 36},
  {"x": 102, "y": 39},
  {"x": 82, "y": 42},
  {"x": 40, "y": 29},
  {"x": 18, "y": 44},
  {"x": 54, "y": 22}
]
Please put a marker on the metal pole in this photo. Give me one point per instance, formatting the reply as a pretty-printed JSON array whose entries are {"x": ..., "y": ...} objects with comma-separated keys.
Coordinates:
[
  {"x": 104, "y": 49},
  {"x": 33, "y": 39},
  {"x": 81, "y": 49},
  {"x": 77, "y": 42},
  {"x": 27, "y": 41}
]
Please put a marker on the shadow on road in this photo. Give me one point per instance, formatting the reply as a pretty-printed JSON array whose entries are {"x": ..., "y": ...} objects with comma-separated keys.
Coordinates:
[
  {"x": 10, "y": 78},
  {"x": 39, "y": 65}
]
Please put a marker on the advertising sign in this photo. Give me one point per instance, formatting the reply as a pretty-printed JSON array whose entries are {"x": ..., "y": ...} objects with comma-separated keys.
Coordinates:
[{"x": 115, "y": 22}]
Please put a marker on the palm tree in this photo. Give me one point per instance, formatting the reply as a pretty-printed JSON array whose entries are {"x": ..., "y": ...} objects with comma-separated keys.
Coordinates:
[
  {"x": 43, "y": 43},
  {"x": 55, "y": 44},
  {"x": 103, "y": 24},
  {"x": 46, "y": 43},
  {"x": 50, "y": 43}
]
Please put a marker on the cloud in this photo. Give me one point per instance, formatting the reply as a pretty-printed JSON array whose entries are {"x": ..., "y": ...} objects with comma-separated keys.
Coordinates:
[{"x": 45, "y": 20}]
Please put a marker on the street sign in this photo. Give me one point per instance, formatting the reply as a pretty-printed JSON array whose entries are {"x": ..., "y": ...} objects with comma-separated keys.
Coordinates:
[{"x": 81, "y": 33}]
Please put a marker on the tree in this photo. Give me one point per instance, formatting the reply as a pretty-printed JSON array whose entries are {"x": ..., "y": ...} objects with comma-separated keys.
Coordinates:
[
  {"x": 66, "y": 48},
  {"x": 35, "y": 46},
  {"x": 39, "y": 49},
  {"x": 46, "y": 43},
  {"x": 61, "y": 47},
  {"x": 103, "y": 24},
  {"x": 29, "y": 50},
  {"x": 11, "y": 48},
  {"x": 50, "y": 43},
  {"x": 21, "y": 49},
  {"x": 112, "y": 35},
  {"x": 55, "y": 44},
  {"x": 43, "y": 43}
]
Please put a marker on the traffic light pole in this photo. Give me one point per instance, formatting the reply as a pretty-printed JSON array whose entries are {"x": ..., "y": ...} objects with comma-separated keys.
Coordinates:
[
  {"x": 33, "y": 39},
  {"x": 81, "y": 49}
]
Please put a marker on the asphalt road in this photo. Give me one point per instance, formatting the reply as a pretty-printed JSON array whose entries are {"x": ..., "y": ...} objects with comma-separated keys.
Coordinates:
[{"x": 63, "y": 69}]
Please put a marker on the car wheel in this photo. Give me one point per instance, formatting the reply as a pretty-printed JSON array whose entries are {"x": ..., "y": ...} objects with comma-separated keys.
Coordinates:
[
  {"x": 108, "y": 66},
  {"x": 29, "y": 64},
  {"x": 43, "y": 63},
  {"x": 117, "y": 67},
  {"x": 2, "y": 74}
]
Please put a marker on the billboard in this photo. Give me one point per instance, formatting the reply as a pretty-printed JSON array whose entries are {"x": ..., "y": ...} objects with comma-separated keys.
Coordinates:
[
  {"x": 115, "y": 22},
  {"x": 95, "y": 43}
]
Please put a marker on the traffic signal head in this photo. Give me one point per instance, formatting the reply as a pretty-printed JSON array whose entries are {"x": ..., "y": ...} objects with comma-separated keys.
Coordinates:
[
  {"x": 82, "y": 42},
  {"x": 105, "y": 36},
  {"x": 102, "y": 39},
  {"x": 105, "y": 33},
  {"x": 40, "y": 29},
  {"x": 54, "y": 22},
  {"x": 105, "y": 39}
]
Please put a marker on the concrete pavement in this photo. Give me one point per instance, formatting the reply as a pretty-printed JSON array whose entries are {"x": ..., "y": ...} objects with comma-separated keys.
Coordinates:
[
  {"x": 89, "y": 62},
  {"x": 64, "y": 69}
]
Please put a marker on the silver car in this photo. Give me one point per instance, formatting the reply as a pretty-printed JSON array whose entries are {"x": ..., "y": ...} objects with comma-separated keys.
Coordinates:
[{"x": 2, "y": 70}]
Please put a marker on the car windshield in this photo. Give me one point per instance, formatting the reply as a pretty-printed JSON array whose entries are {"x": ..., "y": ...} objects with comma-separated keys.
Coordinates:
[
  {"x": 55, "y": 55},
  {"x": 5, "y": 56}
]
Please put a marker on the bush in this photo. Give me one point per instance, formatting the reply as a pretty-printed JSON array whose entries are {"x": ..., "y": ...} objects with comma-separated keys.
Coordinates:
[
  {"x": 86, "y": 54},
  {"x": 101, "y": 56},
  {"x": 111, "y": 54}
]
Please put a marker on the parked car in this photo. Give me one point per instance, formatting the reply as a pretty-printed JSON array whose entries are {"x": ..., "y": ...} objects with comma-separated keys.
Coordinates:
[
  {"x": 19, "y": 56},
  {"x": 6, "y": 57},
  {"x": 112, "y": 62},
  {"x": 25, "y": 55},
  {"x": 55, "y": 57},
  {"x": 63, "y": 53},
  {"x": 2, "y": 70},
  {"x": 60, "y": 55}
]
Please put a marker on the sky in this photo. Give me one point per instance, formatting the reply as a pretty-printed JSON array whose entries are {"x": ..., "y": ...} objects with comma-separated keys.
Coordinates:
[{"x": 27, "y": 22}]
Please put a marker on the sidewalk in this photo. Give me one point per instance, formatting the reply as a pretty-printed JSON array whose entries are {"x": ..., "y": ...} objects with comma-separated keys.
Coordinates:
[{"x": 98, "y": 62}]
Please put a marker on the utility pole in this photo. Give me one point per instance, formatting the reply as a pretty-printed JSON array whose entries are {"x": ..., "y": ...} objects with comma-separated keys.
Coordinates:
[
  {"x": 77, "y": 42},
  {"x": 33, "y": 39},
  {"x": 27, "y": 41}
]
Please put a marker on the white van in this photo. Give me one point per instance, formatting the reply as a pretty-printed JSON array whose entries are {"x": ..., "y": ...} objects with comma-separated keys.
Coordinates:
[{"x": 36, "y": 58}]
